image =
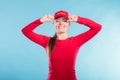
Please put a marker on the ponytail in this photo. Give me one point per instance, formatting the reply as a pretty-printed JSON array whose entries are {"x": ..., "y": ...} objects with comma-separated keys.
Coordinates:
[{"x": 51, "y": 43}]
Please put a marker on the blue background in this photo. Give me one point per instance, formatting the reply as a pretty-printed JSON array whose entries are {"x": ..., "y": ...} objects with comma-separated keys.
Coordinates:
[{"x": 21, "y": 59}]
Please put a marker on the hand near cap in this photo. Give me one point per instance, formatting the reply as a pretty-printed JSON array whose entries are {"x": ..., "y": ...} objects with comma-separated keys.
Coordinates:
[
  {"x": 47, "y": 18},
  {"x": 73, "y": 18}
]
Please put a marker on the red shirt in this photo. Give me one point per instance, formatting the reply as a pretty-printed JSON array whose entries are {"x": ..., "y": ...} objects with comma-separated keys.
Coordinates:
[{"x": 63, "y": 57}]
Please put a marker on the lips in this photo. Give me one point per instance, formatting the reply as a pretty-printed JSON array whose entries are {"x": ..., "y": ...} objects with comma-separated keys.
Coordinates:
[{"x": 61, "y": 27}]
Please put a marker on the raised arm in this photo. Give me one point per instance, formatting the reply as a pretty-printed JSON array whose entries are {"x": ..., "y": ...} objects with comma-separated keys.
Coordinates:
[
  {"x": 94, "y": 28},
  {"x": 37, "y": 38}
]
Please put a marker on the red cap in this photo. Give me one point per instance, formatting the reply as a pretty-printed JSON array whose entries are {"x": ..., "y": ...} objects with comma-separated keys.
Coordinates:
[{"x": 61, "y": 13}]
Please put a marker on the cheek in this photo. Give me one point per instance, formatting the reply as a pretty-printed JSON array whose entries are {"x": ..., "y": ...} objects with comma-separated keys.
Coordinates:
[{"x": 67, "y": 24}]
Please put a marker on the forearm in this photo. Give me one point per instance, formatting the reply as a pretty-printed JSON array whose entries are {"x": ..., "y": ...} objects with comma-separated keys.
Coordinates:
[
  {"x": 37, "y": 38},
  {"x": 89, "y": 23},
  {"x": 30, "y": 27}
]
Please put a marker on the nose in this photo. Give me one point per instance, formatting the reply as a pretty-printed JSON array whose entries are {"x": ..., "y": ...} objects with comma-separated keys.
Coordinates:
[{"x": 61, "y": 22}]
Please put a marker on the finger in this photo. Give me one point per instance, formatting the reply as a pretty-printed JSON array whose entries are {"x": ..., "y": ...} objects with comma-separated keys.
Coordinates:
[
  {"x": 70, "y": 17},
  {"x": 70, "y": 20},
  {"x": 51, "y": 17}
]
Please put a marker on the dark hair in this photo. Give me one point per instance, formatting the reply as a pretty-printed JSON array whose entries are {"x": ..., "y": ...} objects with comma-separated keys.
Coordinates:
[{"x": 51, "y": 43}]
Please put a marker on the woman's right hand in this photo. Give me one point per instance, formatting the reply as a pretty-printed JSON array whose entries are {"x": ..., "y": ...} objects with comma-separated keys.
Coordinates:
[{"x": 47, "y": 18}]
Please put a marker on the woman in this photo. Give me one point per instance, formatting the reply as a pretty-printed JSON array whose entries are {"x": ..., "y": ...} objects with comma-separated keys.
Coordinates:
[{"x": 61, "y": 49}]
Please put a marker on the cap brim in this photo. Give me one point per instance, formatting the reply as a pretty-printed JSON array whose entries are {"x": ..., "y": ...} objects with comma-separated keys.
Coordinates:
[{"x": 61, "y": 16}]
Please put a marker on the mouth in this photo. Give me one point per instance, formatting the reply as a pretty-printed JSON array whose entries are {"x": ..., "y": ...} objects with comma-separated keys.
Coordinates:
[{"x": 61, "y": 27}]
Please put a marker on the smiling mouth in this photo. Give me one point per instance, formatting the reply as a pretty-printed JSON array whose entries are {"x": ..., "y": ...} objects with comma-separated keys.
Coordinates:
[{"x": 61, "y": 27}]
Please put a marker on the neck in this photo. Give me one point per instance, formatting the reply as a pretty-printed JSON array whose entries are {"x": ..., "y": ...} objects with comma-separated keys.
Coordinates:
[{"x": 62, "y": 36}]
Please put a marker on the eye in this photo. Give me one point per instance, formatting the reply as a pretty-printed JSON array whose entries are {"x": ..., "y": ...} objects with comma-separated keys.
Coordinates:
[
  {"x": 56, "y": 20},
  {"x": 65, "y": 20}
]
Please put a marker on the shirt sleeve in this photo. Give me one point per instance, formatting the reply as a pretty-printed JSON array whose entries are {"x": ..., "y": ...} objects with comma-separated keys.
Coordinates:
[
  {"x": 94, "y": 28},
  {"x": 37, "y": 38}
]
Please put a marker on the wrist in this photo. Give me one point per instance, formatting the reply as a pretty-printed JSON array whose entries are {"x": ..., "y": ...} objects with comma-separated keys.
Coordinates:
[
  {"x": 41, "y": 20},
  {"x": 78, "y": 19}
]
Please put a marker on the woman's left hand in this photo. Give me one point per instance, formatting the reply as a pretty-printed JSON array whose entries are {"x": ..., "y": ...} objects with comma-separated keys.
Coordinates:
[{"x": 73, "y": 18}]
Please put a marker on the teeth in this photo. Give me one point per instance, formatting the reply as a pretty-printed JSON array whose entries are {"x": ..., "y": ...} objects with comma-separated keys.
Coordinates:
[{"x": 61, "y": 27}]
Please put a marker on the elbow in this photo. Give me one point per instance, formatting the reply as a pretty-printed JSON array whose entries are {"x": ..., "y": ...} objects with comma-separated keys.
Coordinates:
[
  {"x": 99, "y": 27},
  {"x": 24, "y": 31}
]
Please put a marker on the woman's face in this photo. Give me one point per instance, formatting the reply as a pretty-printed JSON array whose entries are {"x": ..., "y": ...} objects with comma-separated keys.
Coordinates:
[{"x": 61, "y": 25}]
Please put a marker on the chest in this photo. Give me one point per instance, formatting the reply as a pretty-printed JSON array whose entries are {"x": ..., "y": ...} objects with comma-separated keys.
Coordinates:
[{"x": 64, "y": 53}]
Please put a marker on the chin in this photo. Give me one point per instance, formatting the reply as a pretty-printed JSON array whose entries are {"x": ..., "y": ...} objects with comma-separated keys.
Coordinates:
[{"x": 62, "y": 31}]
